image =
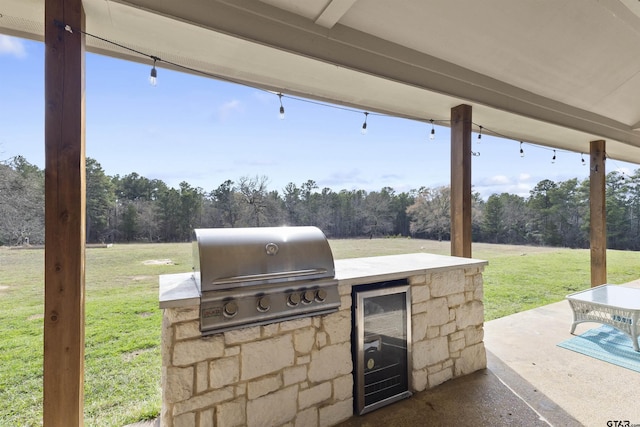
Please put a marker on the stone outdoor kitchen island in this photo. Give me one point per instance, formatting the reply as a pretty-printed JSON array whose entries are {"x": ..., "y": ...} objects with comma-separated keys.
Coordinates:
[{"x": 300, "y": 372}]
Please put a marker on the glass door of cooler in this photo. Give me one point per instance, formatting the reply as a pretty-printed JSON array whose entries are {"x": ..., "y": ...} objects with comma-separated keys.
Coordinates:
[{"x": 382, "y": 348}]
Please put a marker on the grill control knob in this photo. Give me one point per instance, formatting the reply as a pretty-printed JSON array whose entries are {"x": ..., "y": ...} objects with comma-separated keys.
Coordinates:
[
  {"x": 230, "y": 309},
  {"x": 264, "y": 304},
  {"x": 308, "y": 297},
  {"x": 293, "y": 300},
  {"x": 321, "y": 295}
]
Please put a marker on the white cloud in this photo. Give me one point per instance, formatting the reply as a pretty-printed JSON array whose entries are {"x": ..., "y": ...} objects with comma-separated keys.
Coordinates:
[
  {"x": 254, "y": 162},
  {"x": 12, "y": 46},
  {"x": 228, "y": 108},
  {"x": 265, "y": 97},
  {"x": 499, "y": 180},
  {"x": 343, "y": 178},
  {"x": 494, "y": 181},
  {"x": 497, "y": 184}
]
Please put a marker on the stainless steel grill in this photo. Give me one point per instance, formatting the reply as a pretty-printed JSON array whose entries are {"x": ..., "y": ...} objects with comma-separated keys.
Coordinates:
[{"x": 255, "y": 276}]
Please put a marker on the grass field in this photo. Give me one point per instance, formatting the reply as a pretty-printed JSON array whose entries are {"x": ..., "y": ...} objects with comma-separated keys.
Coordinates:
[{"x": 122, "y": 356}]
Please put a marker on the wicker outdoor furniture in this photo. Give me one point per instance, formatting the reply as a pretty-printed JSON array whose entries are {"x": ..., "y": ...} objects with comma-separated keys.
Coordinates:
[{"x": 613, "y": 305}]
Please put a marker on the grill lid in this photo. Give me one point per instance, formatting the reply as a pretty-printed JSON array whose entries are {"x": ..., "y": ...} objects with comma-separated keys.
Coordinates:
[{"x": 232, "y": 257}]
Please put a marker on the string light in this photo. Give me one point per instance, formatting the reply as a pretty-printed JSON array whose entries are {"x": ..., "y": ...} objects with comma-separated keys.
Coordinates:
[
  {"x": 583, "y": 162},
  {"x": 620, "y": 170},
  {"x": 485, "y": 130},
  {"x": 153, "y": 77},
  {"x": 475, "y": 153},
  {"x": 154, "y": 74},
  {"x": 364, "y": 125},
  {"x": 281, "y": 107}
]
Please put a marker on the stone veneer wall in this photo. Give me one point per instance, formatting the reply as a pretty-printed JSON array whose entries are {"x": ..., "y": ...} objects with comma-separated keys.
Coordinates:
[{"x": 299, "y": 372}]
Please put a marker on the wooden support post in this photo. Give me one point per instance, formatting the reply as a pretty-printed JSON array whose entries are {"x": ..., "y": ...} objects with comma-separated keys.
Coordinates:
[
  {"x": 64, "y": 215},
  {"x": 461, "y": 181},
  {"x": 598, "y": 207}
]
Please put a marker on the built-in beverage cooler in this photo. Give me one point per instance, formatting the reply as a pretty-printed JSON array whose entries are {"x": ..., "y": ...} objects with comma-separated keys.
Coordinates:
[{"x": 381, "y": 344}]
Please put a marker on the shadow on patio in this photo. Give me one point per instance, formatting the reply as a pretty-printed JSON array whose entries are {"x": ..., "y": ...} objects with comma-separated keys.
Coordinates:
[{"x": 529, "y": 382}]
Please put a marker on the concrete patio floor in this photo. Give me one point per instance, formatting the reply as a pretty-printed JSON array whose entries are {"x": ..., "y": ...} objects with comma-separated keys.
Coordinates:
[{"x": 529, "y": 381}]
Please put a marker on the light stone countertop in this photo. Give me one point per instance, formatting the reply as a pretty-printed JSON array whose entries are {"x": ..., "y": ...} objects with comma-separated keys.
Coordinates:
[
  {"x": 180, "y": 290},
  {"x": 358, "y": 271}
]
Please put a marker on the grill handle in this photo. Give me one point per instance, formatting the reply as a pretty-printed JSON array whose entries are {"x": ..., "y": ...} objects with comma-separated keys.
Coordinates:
[{"x": 270, "y": 276}]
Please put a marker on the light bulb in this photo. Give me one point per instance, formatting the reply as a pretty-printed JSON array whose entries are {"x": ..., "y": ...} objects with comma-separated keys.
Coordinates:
[
  {"x": 433, "y": 132},
  {"x": 281, "y": 107},
  {"x": 521, "y": 150},
  {"x": 553, "y": 159},
  {"x": 153, "y": 77},
  {"x": 364, "y": 125}
]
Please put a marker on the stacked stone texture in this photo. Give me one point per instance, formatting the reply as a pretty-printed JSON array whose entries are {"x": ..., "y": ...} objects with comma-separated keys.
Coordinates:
[
  {"x": 447, "y": 316},
  {"x": 299, "y": 372}
]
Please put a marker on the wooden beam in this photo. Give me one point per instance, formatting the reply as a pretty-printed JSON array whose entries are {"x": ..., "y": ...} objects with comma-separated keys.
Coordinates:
[
  {"x": 598, "y": 208},
  {"x": 461, "y": 181},
  {"x": 64, "y": 214}
]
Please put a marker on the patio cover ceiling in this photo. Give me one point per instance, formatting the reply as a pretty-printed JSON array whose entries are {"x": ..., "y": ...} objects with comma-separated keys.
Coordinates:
[{"x": 554, "y": 73}]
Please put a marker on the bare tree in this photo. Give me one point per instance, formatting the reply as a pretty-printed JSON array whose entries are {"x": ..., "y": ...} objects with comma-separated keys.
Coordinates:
[
  {"x": 431, "y": 214},
  {"x": 254, "y": 191},
  {"x": 21, "y": 202}
]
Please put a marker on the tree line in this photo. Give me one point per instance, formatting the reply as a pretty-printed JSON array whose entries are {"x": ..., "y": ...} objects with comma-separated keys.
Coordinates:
[{"x": 133, "y": 208}]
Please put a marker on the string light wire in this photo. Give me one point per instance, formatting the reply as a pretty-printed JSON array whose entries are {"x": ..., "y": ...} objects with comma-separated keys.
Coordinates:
[
  {"x": 487, "y": 131},
  {"x": 619, "y": 169},
  {"x": 157, "y": 59}
]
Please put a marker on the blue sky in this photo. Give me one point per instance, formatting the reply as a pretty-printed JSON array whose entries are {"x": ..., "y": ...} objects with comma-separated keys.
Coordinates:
[{"x": 204, "y": 131}]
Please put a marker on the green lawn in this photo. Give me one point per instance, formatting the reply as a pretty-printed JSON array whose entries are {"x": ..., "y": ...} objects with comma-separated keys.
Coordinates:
[{"x": 122, "y": 368}]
